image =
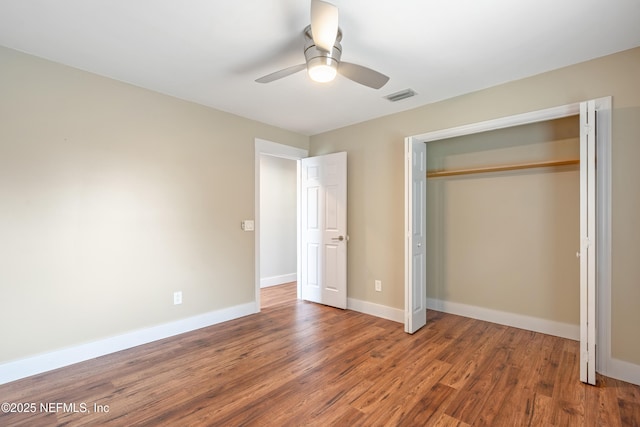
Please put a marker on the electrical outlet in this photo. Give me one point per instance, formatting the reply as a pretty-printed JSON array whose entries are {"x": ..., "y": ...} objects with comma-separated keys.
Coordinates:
[
  {"x": 177, "y": 298},
  {"x": 379, "y": 285}
]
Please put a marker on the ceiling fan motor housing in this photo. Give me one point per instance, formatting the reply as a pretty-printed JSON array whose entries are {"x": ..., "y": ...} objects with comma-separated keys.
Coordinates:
[{"x": 315, "y": 56}]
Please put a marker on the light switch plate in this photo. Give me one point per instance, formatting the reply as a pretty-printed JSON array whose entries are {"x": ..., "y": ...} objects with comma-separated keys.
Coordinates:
[
  {"x": 177, "y": 297},
  {"x": 247, "y": 225}
]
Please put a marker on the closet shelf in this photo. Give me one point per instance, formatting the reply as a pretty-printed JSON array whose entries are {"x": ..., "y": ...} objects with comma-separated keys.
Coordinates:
[{"x": 553, "y": 163}]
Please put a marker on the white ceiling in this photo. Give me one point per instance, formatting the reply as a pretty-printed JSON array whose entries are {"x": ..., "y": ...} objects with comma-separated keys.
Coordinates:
[{"x": 211, "y": 51}]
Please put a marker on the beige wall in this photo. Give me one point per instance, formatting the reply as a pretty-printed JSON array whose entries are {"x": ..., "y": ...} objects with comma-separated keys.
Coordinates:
[
  {"x": 111, "y": 198},
  {"x": 376, "y": 177}
]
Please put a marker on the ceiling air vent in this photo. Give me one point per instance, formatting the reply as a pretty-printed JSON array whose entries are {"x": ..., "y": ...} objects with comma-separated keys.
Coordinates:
[{"x": 403, "y": 94}]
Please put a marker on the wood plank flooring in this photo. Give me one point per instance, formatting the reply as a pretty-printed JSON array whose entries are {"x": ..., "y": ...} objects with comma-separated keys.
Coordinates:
[
  {"x": 276, "y": 295},
  {"x": 299, "y": 363}
]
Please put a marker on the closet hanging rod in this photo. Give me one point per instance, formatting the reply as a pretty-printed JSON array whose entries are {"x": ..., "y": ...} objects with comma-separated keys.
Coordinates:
[{"x": 553, "y": 163}]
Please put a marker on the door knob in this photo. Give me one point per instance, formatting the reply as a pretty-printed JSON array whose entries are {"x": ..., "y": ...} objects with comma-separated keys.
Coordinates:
[{"x": 339, "y": 238}]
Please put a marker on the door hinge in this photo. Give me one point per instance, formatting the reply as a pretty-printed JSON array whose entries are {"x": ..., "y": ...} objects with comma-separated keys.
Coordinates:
[{"x": 588, "y": 129}]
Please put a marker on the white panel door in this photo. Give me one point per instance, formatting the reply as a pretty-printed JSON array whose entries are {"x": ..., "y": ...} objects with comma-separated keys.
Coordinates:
[
  {"x": 588, "y": 247},
  {"x": 415, "y": 235},
  {"x": 323, "y": 223}
]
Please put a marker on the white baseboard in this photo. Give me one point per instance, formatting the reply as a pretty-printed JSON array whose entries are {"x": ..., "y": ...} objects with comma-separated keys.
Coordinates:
[
  {"x": 550, "y": 327},
  {"x": 26, "y": 367},
  {"x": 622, "y": 370},
  {"x": 265, "y": 282},
  {"x": 377, "y": 310}
]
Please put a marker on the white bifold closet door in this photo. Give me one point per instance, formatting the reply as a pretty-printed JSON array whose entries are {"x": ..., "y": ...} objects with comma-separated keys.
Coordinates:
[
  {"x": 416, "y": 240},
  {"x": 587, "y": 253}
]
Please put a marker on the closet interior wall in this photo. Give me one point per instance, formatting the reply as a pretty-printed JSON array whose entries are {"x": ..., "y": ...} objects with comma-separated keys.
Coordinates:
[{"x": 507, "y": 240}]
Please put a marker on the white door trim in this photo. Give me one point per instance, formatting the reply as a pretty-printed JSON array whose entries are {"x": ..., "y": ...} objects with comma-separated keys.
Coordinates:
[
  {"x": 501, "y": 123},
  {"x": 603, "y": 202},
  {"x": 277, "y": 150}
]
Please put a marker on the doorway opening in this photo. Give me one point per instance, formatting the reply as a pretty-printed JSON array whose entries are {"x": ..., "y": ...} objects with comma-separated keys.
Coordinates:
[
  {"x": 595, "y": 223},
  {"x": 321, "y": 224},
  {"x": 278, "y": 226},
  {"x": 276, "y": 220}
]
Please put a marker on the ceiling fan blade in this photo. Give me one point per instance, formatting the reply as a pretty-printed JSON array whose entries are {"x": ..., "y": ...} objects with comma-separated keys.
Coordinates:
[
  {"x": 282, "y": 73},
  {"x": 324, "y": 24},
  {"x": 363, "y": 75}
]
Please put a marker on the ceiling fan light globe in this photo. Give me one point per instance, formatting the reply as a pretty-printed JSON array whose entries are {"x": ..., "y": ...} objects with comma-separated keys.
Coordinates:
[
  {"x": 322, "y": 70},
  {"x": 322, "y": 73}
]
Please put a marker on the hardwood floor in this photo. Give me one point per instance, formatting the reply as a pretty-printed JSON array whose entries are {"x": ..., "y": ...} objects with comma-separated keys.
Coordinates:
[
  {"x": 276, "y": 295},
  {"x": 299, "y": 363}
]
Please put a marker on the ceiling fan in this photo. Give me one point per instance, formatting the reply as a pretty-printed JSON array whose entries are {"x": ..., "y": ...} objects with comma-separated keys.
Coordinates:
[{"x": 322, "y": 52}]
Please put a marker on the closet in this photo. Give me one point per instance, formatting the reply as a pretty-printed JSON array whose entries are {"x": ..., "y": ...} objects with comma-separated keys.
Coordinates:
[
  {"x": 491, "y": 233},
  {"x": 503, "y": 223}
]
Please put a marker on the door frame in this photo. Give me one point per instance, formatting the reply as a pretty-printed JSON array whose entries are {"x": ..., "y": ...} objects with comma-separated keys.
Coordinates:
[
  {"x": 264, "y": 147},
  {"x": 603, "y": 203}
]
